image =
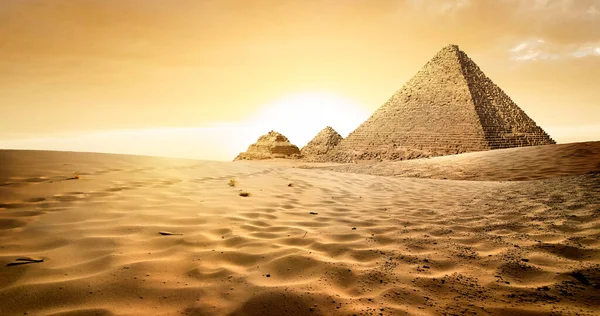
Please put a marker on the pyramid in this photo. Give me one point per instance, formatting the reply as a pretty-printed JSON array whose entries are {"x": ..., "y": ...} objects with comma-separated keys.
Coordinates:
[
  {"x": 448, "y": 107},
  {"x": 321, "y": 144},
  {"x": 269, "y": 146}
]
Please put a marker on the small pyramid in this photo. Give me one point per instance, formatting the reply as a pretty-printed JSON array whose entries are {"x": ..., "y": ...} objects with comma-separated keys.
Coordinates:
[
  {"x": 269, "y": 146},
  {"x": 450, "y": 106},
  {"x": 321, "y": 144}
]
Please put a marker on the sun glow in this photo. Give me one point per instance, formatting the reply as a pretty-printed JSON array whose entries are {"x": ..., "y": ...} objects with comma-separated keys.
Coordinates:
[
  {"x": 301, "y": 116},
  {"x": 298, "y": 116}
]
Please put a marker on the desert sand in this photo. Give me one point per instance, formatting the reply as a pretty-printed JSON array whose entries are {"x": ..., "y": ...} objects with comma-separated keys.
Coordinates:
[
  {"x": 512, "y": 164},
  {"x": 306, "y": 241}
]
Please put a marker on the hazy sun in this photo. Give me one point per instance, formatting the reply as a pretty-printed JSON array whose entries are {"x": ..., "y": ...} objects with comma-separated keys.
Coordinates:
[{"x": 301, "y": 116}]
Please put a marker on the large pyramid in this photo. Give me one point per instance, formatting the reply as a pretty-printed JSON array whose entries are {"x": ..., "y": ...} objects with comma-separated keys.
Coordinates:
[
  {"x": 269, "y": 146},
  {"x": 448, "y": 107},
  {"x": 321, "y": 144}
]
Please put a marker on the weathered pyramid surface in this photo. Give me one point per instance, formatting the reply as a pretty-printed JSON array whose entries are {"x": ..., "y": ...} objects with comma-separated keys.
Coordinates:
[
  {"x": 321, "y": 144},
  {"x": 448, "y": 107},
  {"x": 269, "y": 146}
]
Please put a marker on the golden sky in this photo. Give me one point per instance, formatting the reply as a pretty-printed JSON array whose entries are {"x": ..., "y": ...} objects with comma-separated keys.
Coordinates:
[{"x": 205, "y": 78}]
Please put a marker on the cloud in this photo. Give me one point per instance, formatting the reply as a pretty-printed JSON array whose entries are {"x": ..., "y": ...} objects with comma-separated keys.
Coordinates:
[
  {"x": 450, "y": 6},
  {"x": 440, "y": 7},
  {"x": 539, "y": 49},
  {"x": 587, "y": 50},
  {"x": 532, "y": 49},
  {"x": 560, "y": 21}
]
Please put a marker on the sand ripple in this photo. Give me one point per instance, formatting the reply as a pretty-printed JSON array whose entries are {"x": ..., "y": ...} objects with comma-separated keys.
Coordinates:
[{"x": 376, "y": 245}]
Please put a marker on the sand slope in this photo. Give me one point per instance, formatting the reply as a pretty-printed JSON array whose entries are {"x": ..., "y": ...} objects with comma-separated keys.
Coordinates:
[
  {"x": 376, "y": 245},
  {"x": 521, "y": 163}
]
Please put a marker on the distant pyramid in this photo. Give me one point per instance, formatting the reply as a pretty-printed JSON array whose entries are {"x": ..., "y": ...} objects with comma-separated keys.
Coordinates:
[
  {"x": 448, "y": 107},
  {"x": 269, "y": 146},
  {"x": 323, "y": 143}
]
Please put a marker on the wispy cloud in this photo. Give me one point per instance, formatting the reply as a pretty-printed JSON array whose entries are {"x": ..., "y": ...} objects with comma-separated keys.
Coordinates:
[
  {"x": 555, "y": 7},
  {"x": 450, "y": 6},
  {"x": 592, "y": 11},
  {"x": 539, "y": 49},
  {"x": 587, "y": 50},
  {"x": 440, "y": 7},
  {"x": 532, "y": 49}
]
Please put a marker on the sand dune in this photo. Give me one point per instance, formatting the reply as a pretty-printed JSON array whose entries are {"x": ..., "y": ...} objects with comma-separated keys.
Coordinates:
[
  {"x": 376, "y": 245},
  {"x": 520, "y": 163}
]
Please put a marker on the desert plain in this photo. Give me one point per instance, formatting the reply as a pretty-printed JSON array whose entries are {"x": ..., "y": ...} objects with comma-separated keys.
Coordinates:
[{"x": 501, "y": 232}]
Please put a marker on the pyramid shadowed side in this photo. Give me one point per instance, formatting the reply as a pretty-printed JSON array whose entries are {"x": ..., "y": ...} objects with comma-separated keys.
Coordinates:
[
  {"x": 432, "y": 115},
  {"x": 448, "y": 107},
  {"x": 504, "y": 124}
]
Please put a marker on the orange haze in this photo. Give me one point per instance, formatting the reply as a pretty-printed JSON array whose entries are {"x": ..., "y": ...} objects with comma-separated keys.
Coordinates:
[{"x": 205, "y": 78}]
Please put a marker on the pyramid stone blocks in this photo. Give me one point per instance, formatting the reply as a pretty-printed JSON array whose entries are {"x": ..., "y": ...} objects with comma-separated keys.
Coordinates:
[
  {"x": 269, "y": 146},
  {"x": 448, "y": 107},
  {"x": 321, "y": 144}
]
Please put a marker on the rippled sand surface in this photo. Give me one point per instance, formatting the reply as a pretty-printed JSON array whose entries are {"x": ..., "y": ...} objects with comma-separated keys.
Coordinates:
[{"x": 305, "y": 242}]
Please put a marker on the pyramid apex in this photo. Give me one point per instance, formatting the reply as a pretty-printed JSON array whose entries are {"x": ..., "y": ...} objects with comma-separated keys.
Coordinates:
[
  {"x": 328, "y": 130},
  {"x": 322, "y": 143},
  {"x": 450, "y": 106},
  {"x": 451, "y": 48},
  {"x": 448, "y": 51},
  {"x": 268, "y": 146}
]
